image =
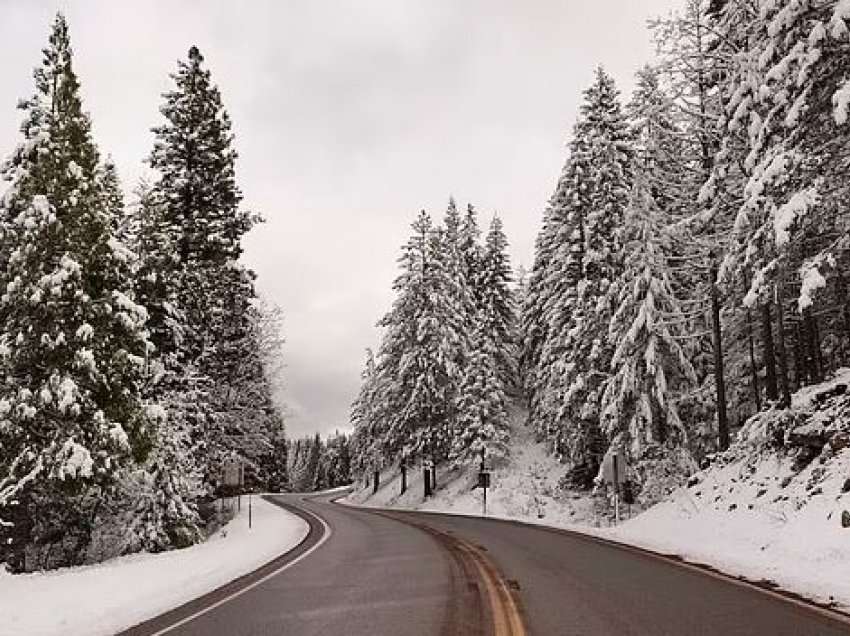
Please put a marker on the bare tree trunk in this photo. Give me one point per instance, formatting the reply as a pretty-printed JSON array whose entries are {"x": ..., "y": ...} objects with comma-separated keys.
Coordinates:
[
  {"x": 780, "y": 345},
  {"x": 753, "y": 370},
  {"x": 841, "y": 288},
  {"x": 816, "y": 350},
  {"x": 719, "y": 381},
  {"x": 812, "y": 341},
  {"x": 800, "y": 367},
  {"x": 768, "y": 353}
]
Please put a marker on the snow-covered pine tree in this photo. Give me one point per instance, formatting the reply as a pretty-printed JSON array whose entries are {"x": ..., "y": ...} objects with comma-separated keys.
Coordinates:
[
  {"x": 399, "y": 342},
  {"x": 497, "y": 303},
  {"x": 368, "y": 417},
  {"x": 201, "y": 294},
  {"x": 693, "y": 63},
  {"x": 533, "y": 322},
  {"x": 649, "y": 366},
  {"x": 73, "y": 338},
  {"x": 587, "y": 258},
  {"x": 482, "y": 421}
]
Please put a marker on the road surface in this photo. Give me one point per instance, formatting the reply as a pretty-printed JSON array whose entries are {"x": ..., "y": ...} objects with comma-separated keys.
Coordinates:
[{"x": 364, "y": 572}]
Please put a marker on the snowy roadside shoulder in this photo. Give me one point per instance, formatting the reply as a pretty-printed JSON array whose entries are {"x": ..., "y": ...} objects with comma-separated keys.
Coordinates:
[{"x": 117, "y": 594}]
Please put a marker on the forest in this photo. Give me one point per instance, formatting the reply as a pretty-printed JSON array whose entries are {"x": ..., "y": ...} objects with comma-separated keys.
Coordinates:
[{"x": 689, "y": 271}]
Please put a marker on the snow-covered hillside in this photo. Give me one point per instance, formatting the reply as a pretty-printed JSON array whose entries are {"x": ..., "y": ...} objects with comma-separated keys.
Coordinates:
[
  {"x": 775, "y": 506},
  {"x": 526, "y": 488},
  {"x": 771, "y": 508}
]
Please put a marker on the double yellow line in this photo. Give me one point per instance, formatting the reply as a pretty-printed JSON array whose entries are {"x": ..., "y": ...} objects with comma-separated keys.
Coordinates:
[
  {"x": 500, "y": 604},
  {"x": 504, "y": 609}
]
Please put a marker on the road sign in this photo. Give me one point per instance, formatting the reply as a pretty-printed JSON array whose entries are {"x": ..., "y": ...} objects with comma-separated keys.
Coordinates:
[
  {"x": 614, "y": 473},
  {"x": 614, "y": 467},
  {"x": 483, "y": 480},
  {"x": 233, "y": 473}
]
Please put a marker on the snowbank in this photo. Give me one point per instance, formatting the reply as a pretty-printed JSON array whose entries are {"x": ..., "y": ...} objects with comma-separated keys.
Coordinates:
[
  {"x": 768, "y": 510},
  {"x": 111, "y": 596}
]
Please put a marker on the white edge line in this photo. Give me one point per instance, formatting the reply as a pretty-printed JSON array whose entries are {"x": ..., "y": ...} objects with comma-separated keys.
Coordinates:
[{"x": 327, "y": 535}]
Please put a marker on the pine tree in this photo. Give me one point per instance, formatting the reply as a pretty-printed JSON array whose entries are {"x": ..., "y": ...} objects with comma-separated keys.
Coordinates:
[
  {"x": 498, "y": 304},
  {"x": 368, "y": 417},
  {"x": 649, "y": 365},
  {"x": 191, "y": 228},
  {"x": 73, "y": 339},
  {"x": 482, "y": 425},
  {"x": 586, "y": 258}
]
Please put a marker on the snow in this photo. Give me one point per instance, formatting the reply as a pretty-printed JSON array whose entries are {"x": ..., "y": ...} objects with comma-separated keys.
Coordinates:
[
  {"x": 119, "y": 435},
  {"x": 85, "y": 332},
  {"x": 757, "y": 513},
  {"x": 78, "y": 461},
  {"x": 67, "y": 395},
  {"x": 841, "y": 103},
  {"x": 112, "y": 596},
  {"x": 812, "y": 280},
  {"x": 796, "y": 206}
]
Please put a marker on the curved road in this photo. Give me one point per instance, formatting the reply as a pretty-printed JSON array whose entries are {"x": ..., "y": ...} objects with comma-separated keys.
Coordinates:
[{"x": 362, "y": 572}]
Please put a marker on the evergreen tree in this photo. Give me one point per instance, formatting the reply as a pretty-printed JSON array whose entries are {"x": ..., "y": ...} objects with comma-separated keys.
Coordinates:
[
  {"x": 499, "y": 313},
  {"x": 649, "y": 364},
  {"x": 482, "y": 425},
  {"x": 73, "y": 338},
  {"x": 586, "y": 258},
  {"x": 369, "y": 417},
  {"x": 191, "y": 228}
]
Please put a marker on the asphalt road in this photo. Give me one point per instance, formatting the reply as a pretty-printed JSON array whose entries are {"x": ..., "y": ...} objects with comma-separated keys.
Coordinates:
[{"x": 374, "y": 573}]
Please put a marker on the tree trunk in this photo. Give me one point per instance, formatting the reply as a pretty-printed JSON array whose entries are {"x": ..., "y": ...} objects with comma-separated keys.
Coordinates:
[
  {"x": 816, "y": 350},
  {"x": 780, "y": 344},
  {"x": 800, "y": 370},
  {"x": 719, "y": 381},
  {"x": 754, "y": 374},
  {"x": 813, "y": 345},
  {"x": 841, "y": 288},
  {"x": 768, "y": 353}
]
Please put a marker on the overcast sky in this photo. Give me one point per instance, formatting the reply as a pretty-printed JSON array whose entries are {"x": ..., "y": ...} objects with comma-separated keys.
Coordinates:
[{"x": 349, "y": 118}]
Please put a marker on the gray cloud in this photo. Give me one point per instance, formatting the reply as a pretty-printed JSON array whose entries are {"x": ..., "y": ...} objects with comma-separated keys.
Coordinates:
[{"x": 349, "y": 117}]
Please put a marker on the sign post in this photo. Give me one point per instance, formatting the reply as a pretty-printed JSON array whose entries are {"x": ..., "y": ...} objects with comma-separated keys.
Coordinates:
[
  {"x": 483, "y": 481},
  {"x": 403, "y": 472},
  {"x": 614, "y": 472},
  {"x": 233, "y": 478},
  {"x": 426, "y": 478}
]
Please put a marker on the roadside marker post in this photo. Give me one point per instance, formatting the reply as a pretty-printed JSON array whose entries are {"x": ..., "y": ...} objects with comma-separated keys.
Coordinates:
[
  {"x": 426, "y": 478},
  {"x": 483, "y": 481},
  {"x": 614, "y": 470},
  {"x": 403, "y": 473}
]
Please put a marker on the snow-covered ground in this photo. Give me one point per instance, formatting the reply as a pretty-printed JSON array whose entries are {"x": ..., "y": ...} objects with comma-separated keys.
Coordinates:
[
  {"x": 764, "y": 511},
  {"x": 770, "y": 508},
  {"x": 111, "y": 596}
]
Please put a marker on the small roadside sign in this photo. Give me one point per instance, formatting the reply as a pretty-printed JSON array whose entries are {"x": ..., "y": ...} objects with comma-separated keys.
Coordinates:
[
  {"x": 614, "y": 473},
  {"x": 233, "y": 473},
  {"x": 614, "y": 467},
  {"x": 483, "y": 480}
]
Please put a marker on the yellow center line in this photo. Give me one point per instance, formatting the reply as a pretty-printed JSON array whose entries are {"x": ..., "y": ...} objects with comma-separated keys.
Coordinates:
[{"x": 507, "y": 619}]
